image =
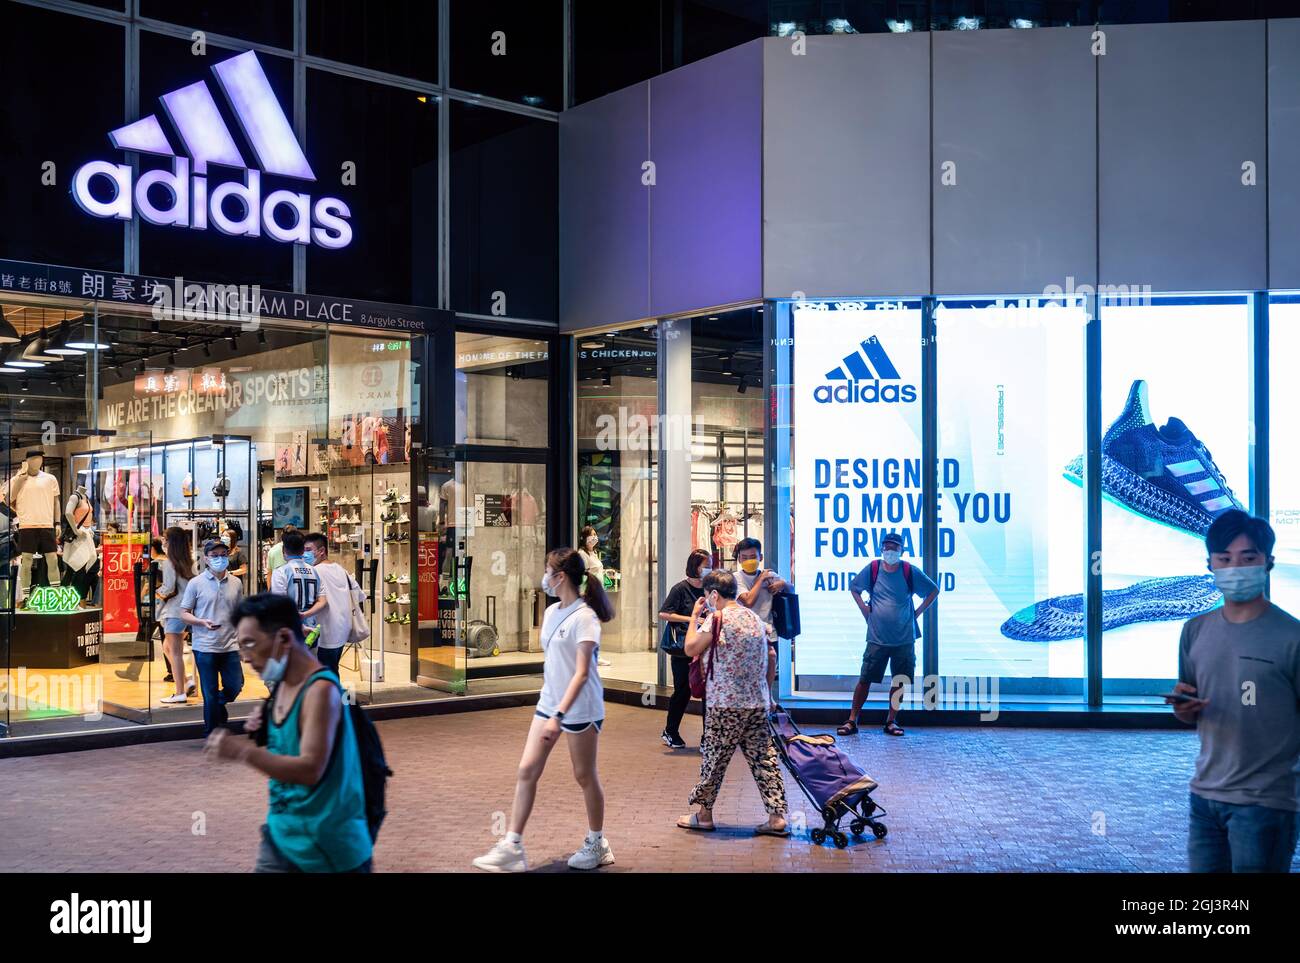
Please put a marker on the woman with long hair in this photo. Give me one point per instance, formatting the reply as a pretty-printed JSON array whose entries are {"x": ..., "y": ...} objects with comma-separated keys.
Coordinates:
[
  {"x": 571, "y": 702},
  {"x": 177, "y": 569},
  {"x": 589, "y": 552}
]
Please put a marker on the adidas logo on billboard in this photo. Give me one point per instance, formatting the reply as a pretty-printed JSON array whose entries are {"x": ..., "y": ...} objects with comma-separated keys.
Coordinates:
[
  {"x": 288, "y": 216},
  {"x": 867, "y": 376}
]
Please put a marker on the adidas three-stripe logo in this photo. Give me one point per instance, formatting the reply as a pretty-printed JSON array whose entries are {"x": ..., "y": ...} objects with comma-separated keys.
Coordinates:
[
  {"x": 866, "y": 376},
  {"x": 1201, "y": 486},
  {"x": 855, "y": 367},
  {"x": 206, "y": 140}
]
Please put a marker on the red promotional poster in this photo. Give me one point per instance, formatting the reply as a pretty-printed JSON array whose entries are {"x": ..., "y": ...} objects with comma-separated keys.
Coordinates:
[
  {"x": 120, "y": 554},
  {"x": 426, "y": 575}
]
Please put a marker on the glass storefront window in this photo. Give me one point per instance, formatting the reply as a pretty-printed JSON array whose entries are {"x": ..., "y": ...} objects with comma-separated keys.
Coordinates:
[
  {"x": 394, "y": 201},
  {"x": 42, "y": 222},
  {"x": 616, "y": 429},
  {"x": 261, "y": 21},
  {"x": 855, "y": 374},
  {"x": 1010, "y": 418},
  {"x": 614, "y": 46},
  {"x": 728, "y": 427},
  {"x": 1175, "y": 455},
  {"x": 504, "y": 213},
  {"x": 510, "y": 51},
  {"x": 502, "y": 391},
  {"x": 207, "y": 426},
  {"x": 1283, "y": 454},
  {"x": 396, "y": 36},
  {"x": 490, "y": 594}
]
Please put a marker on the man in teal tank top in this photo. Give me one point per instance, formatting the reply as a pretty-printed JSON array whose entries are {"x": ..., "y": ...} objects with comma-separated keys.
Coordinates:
[{"x": 317, "y": 817}]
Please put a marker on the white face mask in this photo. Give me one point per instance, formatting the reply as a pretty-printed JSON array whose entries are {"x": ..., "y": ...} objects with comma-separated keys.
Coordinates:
[
  {"x": 891, "y": 556},
  {"x": 1241, "y": 583},
  {"x": 546, "y": 583}
]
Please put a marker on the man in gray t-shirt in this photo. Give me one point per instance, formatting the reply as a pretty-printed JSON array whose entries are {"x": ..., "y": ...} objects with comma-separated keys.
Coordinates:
[
  {"x": 208, "y": 607},
  {"x": 1239, "y": 678},
  {"x": 892, "y": 627}
]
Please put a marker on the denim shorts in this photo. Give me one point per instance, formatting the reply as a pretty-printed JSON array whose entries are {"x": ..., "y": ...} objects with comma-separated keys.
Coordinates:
[
  {"x": 573, "y": 726},
  {"x": 173, "y": 626}
]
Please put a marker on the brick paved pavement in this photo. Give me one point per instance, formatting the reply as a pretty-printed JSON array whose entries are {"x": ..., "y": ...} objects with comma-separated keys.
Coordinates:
[{"x": 959, "y": 799}]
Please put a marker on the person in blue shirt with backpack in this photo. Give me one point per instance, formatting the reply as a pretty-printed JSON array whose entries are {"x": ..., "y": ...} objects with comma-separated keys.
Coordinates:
[
  {"x": 317, "y": 820},
  {"x": 892, "y": 627}
]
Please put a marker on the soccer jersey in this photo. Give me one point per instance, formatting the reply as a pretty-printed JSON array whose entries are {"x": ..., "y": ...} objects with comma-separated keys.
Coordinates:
[{"x": 298, "y": 580}]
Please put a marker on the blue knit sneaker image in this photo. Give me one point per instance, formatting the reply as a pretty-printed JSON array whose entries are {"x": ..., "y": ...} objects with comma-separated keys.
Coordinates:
[
  {"x": 1164, "y": 474},
  {"x": 1150, "y": 600}
]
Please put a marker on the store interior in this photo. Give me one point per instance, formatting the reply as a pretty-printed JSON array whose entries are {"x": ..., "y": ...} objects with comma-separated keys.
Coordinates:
[{"x": 209, "y": 426}]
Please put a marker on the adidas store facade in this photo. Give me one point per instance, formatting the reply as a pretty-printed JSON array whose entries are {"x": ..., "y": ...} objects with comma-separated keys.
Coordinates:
[
  {"x": 1018, "y": 310},
  {"x": 257, "y": 279}
]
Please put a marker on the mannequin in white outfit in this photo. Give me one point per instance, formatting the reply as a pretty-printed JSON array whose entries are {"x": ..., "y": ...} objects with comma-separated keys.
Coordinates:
[{"x": 34, "y": 496}]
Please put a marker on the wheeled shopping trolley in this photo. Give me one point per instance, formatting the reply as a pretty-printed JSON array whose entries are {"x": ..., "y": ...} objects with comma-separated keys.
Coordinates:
[{"x": 831, "y": 780}]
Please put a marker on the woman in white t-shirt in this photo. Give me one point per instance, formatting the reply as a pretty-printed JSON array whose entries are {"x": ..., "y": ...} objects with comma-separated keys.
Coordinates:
[{"x": 572, "y": 701}]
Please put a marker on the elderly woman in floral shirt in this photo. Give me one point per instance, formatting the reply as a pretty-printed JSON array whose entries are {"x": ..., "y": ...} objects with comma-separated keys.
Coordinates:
[{"x": 737, "y": 669}]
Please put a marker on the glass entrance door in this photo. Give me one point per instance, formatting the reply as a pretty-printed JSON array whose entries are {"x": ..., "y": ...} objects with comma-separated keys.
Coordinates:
[{"x": 500, "y": 556}]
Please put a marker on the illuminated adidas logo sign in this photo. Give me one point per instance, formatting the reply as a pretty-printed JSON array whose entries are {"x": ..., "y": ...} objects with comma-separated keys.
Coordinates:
[
  {"x": 283, "y": 215},
  {"x": 860, "y": 378}
]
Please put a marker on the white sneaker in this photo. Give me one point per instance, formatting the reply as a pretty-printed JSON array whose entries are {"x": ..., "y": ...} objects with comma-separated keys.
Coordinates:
[
  {"x": 594, "y": 852},
  {"x": 174, "y": 700},
  {"x": 504, "y": 857}
]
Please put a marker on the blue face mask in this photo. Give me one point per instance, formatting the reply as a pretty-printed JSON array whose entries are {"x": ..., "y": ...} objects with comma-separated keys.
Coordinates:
[
  {"x": 218, "y": 563},
  {"x": 274, "y": 669},
  {"x": 309, "y": 558},
  {"x": 1241, "y": 583},
  {"x": 891, "y": 556}
]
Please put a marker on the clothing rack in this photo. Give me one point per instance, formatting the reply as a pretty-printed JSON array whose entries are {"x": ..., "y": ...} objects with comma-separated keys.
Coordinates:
[{"x": 731, "y": 465}]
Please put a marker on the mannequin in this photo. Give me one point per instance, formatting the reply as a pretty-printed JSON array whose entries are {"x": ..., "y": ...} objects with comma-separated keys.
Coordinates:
[
  {"x": 80, "y": 555},
  {"x": 34, "y": 496}
]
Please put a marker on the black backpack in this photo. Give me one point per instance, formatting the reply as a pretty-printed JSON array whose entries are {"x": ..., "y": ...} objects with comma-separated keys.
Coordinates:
[{"x": 374, "y": 768}]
